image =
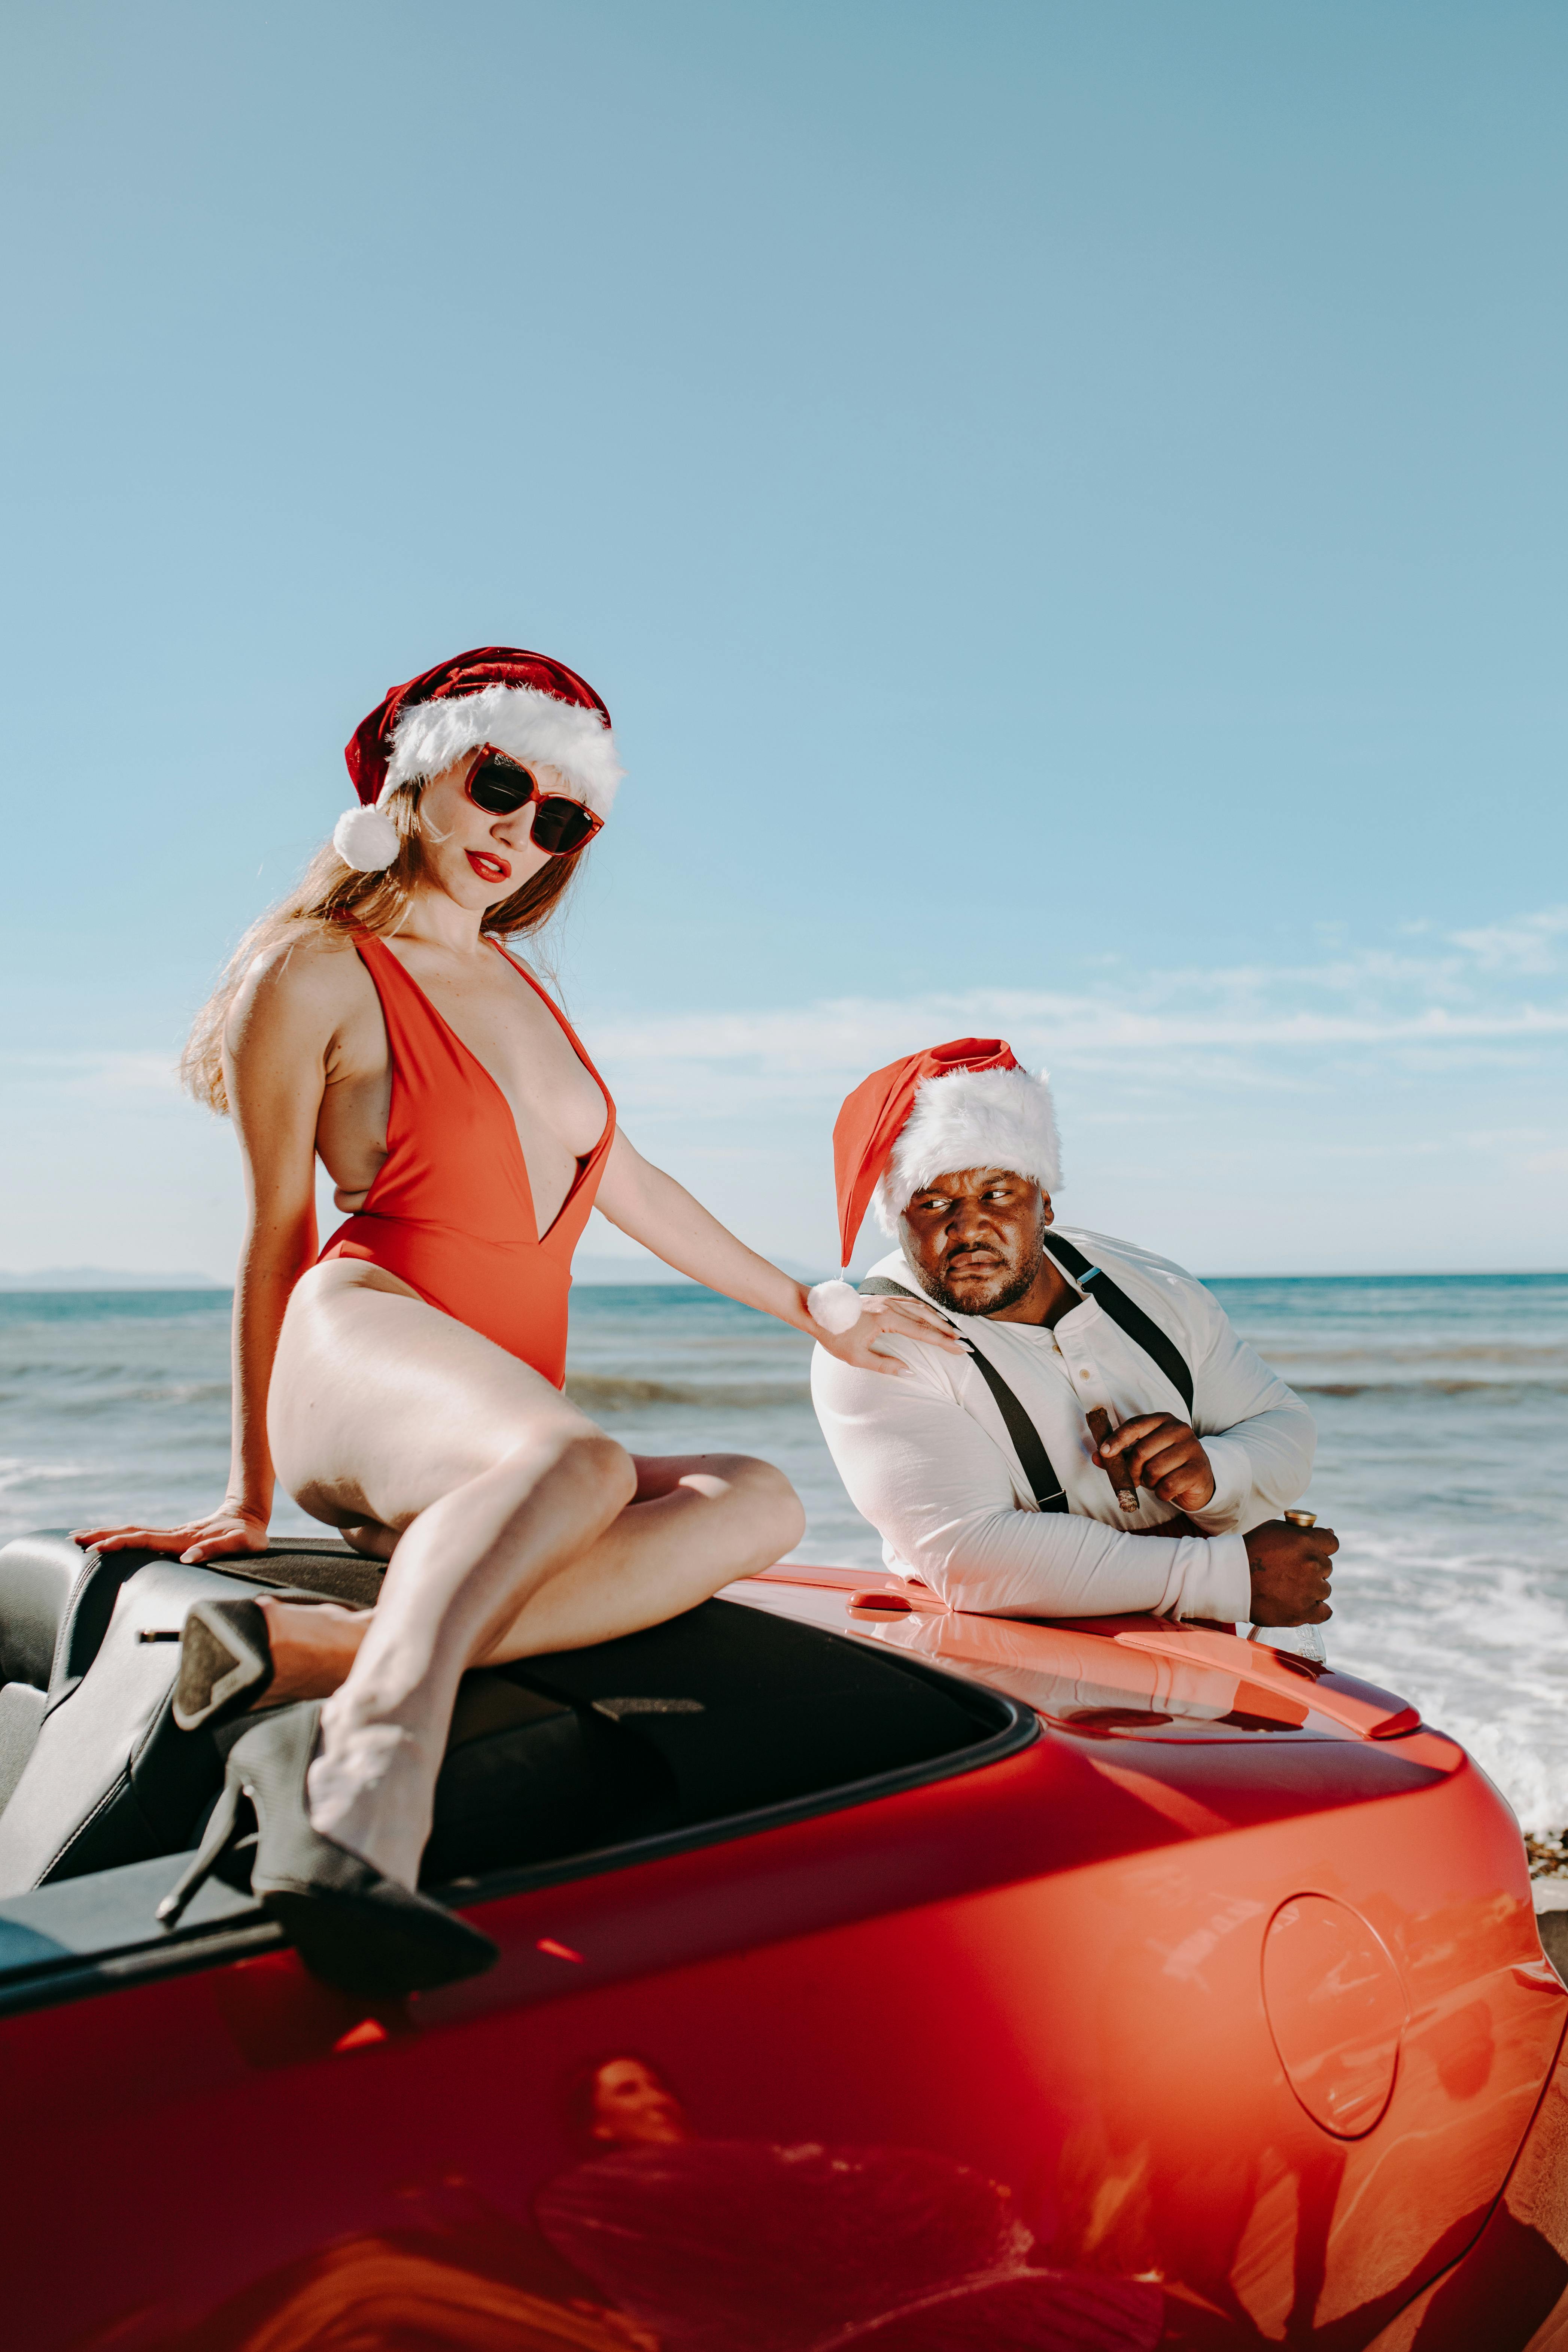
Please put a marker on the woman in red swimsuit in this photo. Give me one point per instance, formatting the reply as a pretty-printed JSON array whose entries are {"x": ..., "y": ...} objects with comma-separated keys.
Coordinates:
[{"x": 406, "y": 1383}]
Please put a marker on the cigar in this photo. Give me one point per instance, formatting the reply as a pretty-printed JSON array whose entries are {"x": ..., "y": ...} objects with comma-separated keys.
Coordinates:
[{"x": 1098, "y": 1421}]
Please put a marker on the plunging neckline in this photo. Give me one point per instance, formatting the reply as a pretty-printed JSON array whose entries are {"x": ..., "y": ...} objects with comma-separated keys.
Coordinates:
[{"x": 588, "y": 1157}]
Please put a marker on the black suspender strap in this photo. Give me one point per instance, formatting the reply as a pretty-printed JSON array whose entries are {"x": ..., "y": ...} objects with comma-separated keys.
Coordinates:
[
  {"x": 1140, "y": 1328},
  {"x": 1027, "y": 1442},
  {"x": 1112, "y": 1300}
]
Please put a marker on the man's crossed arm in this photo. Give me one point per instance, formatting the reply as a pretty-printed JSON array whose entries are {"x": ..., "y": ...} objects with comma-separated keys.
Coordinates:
[
  {"x": 940, "y": 1491},
  {"x": 1288, "y": 1566}
]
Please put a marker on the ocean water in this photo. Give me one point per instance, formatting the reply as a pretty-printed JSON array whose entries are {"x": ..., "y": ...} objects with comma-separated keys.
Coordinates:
[{"x": 1442, "y": 1409}]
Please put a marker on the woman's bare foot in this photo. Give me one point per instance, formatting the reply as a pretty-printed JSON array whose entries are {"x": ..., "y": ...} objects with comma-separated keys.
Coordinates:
[{"x": 313, "y": 1644}]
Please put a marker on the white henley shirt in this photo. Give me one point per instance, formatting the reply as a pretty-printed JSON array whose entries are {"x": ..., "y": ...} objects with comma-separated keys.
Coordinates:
[{"x": 928, "y": 1461}]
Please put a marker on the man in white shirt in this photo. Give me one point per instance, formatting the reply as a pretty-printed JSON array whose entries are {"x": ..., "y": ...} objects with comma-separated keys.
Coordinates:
[{"x": 979, "y": 1470}]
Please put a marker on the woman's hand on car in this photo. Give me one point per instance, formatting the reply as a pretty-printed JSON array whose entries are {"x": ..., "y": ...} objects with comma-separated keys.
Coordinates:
[
  {"x": 883, "y": 1318},
  {"x": 232, "y": 1528}
]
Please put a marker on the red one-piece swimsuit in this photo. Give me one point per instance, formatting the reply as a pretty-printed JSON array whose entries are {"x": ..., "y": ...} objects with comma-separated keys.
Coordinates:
[{"x": 451, "y": 1212}]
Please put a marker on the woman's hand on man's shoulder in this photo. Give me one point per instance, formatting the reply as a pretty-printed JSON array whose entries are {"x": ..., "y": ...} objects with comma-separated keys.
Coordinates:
[{"x": 891, "y": 1317}]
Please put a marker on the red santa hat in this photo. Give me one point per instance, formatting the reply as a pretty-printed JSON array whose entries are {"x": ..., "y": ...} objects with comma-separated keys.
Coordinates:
[
  {"x": 967, "y": 1104},
  {"x": 523, "y": 704}
]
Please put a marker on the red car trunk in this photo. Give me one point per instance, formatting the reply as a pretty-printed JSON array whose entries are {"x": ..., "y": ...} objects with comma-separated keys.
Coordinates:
[{"x": 1210, "y": 2013}]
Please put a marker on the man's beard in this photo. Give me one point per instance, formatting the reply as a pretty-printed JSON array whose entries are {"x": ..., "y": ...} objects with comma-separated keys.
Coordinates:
[{"x": 1012, "y": 1290}]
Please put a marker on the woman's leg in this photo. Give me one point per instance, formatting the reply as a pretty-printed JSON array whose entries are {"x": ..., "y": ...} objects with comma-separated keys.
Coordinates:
[
  {"x": 697, "y": 1521},
  {"x": 384, "y": 1414}
]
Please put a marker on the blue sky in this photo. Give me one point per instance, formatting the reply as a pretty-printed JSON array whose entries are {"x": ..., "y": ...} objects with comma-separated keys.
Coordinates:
[{"x": 1066, "y": 506}]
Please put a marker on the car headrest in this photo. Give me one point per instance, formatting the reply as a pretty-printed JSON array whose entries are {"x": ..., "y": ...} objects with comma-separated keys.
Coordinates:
[
  {"x": 56, "y": 1599},
  {"x": 42, "y": 1578}
]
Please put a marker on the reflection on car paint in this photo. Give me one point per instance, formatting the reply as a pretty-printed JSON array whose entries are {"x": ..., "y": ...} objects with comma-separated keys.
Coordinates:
[
  {"x": 1016, "y": 2056},
  {"x": 658, "y": 2240}
]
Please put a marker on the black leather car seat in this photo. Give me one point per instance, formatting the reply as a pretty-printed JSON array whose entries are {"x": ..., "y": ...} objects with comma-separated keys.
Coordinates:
[
  {"x": 39, "y": 1578},
  {"x": 714, "y": 1715},
  {"x": 101, "y": 1775},
  {"x": 93, "y": 1770}
]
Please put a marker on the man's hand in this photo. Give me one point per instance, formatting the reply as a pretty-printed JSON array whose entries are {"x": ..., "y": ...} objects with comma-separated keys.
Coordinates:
[
  {"x": 1290, "y": 1573},
  {"x": 1161, "y": 1452}
]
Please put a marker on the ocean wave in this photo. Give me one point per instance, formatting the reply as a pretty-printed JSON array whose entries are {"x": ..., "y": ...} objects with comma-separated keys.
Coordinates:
[
  {"x": 15, "y": 1473},
  {"x": 55, "y": 1372},
  {"x": 68, "y": 1405},
  {"x": 1514, "y": 1391},
  {"x": 1432, "y": 1351},
  {"x": 600, "y": 1393},
  {"x": 605, "y": 1392}
]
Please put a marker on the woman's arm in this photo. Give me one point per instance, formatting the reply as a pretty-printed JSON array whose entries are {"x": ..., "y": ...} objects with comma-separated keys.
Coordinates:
[
  {"x": 275, "y": 1071},
  {"x": 642, "y": 1201},
  {"x": 275, "y": 1058}
]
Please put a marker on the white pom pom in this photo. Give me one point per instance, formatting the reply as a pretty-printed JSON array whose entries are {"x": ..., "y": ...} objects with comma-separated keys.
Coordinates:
[
  {"x": 833, "y": 1305},
  {"x": 367, "y": 839}
]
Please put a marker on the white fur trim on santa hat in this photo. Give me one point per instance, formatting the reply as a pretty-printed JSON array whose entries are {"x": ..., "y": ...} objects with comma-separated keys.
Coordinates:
[
  {"x": 971, "y": 1118},
  {"x": 524, "y": 722}
]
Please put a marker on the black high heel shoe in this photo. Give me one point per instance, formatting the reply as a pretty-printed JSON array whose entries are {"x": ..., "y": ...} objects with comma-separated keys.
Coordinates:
[
  {"x": 351, "y": 1926},
  {"x": 226, "y": 1662}
]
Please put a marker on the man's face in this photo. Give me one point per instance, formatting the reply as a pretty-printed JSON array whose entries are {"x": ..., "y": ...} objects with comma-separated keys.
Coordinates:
[{"x": 974, "y": 1237}]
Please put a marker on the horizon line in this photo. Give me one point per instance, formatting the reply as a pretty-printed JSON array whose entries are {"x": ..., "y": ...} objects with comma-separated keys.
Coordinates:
[{"x": 130, "y": 1280}]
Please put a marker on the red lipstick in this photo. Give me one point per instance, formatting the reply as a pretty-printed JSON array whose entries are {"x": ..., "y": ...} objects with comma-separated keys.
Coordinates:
[{"x": 487, "y": 868}]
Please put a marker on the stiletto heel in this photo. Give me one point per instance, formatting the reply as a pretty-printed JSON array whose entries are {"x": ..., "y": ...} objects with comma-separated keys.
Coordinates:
[
  {"x": 359, "y": 1930},
  {"x": 226, "y": 1662},
  {"x": 222, "y": 1832}
]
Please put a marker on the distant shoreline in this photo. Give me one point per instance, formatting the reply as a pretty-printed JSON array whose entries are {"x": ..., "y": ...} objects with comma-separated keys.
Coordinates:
[{"x": 106, "y": 1284}]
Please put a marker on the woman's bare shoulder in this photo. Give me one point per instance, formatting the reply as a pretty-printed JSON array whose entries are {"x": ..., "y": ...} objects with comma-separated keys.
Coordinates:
[{"x": 312, "y": 981}]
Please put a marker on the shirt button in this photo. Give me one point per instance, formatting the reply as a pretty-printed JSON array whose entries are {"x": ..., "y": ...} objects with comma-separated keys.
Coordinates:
[{"x": 1083, "y": 1373}]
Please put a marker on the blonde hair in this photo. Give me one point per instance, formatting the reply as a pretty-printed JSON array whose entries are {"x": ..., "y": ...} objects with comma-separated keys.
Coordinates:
[{"x": 330, "y": 898}]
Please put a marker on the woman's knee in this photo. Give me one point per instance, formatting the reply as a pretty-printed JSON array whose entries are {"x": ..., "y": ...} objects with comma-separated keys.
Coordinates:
[
  {"x": 774, "y": 1512},
  {"x": 584, "y": 1454},
  {"x": 607, "y": 1465}
]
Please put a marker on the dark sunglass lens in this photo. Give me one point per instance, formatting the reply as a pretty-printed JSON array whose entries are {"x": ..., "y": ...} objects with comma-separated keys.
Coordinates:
[
  {"x": 499, "y": 786},
  {"x": 561, "y": 825}
]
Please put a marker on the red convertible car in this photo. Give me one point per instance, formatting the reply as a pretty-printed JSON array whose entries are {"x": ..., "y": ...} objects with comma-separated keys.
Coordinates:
[{"x": 871, "y": 1976}]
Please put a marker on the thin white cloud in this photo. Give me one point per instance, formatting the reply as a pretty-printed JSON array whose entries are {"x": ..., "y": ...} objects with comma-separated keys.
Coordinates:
[
  {"x": 1209, "y": 1030},
  {"x": 1530, "y": 944},
  {"x": 1364, "y": 1106},
  {"x": 1276, "y": 1028},
  {"x": 137, "y": 1072},
  {"x": 1353, "y": 1000},
  {"x": 855, "y": 1032}
]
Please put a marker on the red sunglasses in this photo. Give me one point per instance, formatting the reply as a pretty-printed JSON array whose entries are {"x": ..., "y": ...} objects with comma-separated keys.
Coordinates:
[{"x": 501, "y": 786}]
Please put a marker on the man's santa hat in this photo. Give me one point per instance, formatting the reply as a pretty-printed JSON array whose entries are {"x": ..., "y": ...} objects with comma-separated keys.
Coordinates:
[
  {"x": 967, "y": 1104},
  {"x": 523, "y": 704}
]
